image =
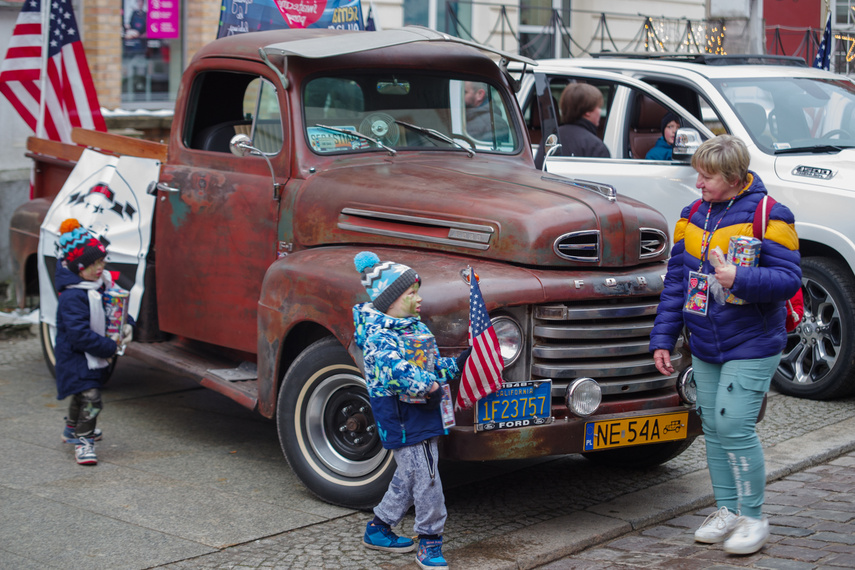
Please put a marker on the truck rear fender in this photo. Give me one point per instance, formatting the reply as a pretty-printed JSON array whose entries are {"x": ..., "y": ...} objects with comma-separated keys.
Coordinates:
[{"x": 24, "y": 245}]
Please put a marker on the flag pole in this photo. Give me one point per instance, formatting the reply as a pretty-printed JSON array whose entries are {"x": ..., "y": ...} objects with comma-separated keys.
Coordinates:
[{"x": 45, "y": 14}]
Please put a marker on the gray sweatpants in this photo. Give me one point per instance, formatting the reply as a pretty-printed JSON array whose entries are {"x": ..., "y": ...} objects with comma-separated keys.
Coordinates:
[{"x": 416, "y": 482}]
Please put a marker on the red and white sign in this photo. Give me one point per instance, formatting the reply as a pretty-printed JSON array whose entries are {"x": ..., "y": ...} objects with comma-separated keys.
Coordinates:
[{"x": 301, "y": 13}]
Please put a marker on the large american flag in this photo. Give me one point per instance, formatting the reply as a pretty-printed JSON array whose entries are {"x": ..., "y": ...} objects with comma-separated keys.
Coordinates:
[
  {"x": 70, "y": 97},
  {"x": 482, "y": 373}
]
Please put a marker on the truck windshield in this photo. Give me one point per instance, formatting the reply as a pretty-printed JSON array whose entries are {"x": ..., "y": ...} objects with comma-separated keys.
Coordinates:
[
  {"x": 407, "y": 111},
  {"x": 788, "y": 114}
]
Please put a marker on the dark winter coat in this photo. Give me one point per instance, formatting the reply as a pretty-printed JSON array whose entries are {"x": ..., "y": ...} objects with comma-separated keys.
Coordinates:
[
  {"x": 389, "y": 376},
  {"x": 755, "y": 329},
  {"x": 577, "y": 139},
  {"x": 74, "y": 337}
]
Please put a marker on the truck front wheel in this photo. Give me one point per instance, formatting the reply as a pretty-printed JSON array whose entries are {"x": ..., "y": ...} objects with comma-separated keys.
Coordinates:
[
  {"x": 327, "y": 430},
  {"x": 819, "y": 359}
]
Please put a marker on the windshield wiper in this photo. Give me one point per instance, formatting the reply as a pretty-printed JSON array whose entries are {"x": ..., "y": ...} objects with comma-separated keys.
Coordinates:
[
  {"x": 814, "y": 148},
  {"x": 436, "y": 135},
  {"x": 358, "y": 135}
]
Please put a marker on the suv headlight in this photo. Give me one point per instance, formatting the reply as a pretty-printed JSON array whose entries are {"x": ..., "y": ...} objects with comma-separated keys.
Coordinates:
[{"x": 510, "y": 338}]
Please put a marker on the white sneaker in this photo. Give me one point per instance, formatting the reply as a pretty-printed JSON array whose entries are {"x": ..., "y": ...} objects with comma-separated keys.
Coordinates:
[
  {"x": 717, "y": 526},
  {"x": 748, "y": 537}
]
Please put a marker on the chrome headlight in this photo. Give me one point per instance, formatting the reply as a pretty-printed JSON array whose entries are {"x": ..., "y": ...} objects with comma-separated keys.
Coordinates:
[
  {"x": 583, "y": 396},
  {"x": 686, "y": 387},
  {"x": 510, "y": 338}
]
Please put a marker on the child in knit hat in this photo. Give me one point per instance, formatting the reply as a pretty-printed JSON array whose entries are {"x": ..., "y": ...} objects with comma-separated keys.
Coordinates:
[
  {"x": 82, "y": 349},
  {"x": 405, "y": 387}
]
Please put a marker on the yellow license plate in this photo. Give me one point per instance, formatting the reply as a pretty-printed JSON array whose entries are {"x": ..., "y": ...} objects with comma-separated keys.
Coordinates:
[{"x": 639, "y": 430}]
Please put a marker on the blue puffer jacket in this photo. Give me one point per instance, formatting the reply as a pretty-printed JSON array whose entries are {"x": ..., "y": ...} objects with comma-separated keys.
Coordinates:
[
  {"x": 755, "y": 329},
  {"x": 661, "y": 151},
  {"x": 390, "y": 375},
  {"x": 74, "y": 337}
]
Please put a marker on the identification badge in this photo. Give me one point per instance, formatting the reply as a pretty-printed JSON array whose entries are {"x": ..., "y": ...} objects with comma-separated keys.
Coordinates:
[{"x": 697, "y": 300}]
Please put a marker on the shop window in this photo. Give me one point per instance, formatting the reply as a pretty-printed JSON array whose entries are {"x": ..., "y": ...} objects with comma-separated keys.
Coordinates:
[{"x": 151, "y": 48}]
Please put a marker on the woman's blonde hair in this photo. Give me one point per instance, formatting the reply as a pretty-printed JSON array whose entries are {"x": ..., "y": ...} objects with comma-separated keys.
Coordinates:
[
  {"x": 725, "y": 155},
  {"x": 577, "y": 99}
]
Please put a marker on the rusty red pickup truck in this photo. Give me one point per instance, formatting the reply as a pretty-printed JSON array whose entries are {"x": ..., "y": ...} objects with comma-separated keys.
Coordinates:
[{"x": 291, "y": 151}]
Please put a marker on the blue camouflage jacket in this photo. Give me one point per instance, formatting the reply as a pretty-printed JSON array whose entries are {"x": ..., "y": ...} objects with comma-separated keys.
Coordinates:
[
  {"x": 755, "y": 329},
  {"x": 389, "y": 376}
]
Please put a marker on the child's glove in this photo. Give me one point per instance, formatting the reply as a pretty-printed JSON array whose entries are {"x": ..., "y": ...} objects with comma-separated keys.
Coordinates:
[
  {"x": 461, "y": 360},
  {"x": 127, "y": 334},
  {"x": 433, "y": 398}
]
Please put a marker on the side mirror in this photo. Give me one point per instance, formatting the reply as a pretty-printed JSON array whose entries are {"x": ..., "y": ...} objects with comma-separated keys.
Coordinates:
[
  {"x": 551, "y": 145},
  {"x": 241, "y": 145},
  {"x": 686, "y": 142}
]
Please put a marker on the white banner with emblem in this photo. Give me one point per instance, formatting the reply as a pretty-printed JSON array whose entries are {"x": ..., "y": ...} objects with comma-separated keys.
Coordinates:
[{"x": 108, "y": 196}]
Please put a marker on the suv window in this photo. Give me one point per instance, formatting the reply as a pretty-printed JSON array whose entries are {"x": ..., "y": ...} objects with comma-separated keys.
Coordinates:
[
  {"x": 785, "y": 113},
  {"x": 406, "y": 110},
  {"x": 230, "y": 103}
]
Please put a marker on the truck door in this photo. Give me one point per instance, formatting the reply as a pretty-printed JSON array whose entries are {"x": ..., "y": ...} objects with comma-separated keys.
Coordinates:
[
  {"x": 629, "y": 126},
  {"x": 217, "y": 213}
]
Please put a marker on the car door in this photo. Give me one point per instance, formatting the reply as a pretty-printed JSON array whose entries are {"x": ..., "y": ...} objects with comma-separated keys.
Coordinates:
[
  {"x": 629, "y": 124},
  {"x": 217, "y": 213}
]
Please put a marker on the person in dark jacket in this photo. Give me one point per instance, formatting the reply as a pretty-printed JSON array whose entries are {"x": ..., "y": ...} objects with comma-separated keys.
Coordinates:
[
  {"x": 736, "y": 343},
  {"x": 664, "y": 147},
  {"x": 581, "y": 107},
  {"x": 405, "y": 375},
  {"x": 82, "y": 349}
]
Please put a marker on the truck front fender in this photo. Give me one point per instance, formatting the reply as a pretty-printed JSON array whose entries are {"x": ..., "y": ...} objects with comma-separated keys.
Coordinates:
[{"x": 310, "y": 294}]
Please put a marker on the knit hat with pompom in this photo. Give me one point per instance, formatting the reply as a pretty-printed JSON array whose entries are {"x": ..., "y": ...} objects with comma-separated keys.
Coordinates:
[
  {"x": 80, "y": 249},
  {"x": 385, "y": 281}
]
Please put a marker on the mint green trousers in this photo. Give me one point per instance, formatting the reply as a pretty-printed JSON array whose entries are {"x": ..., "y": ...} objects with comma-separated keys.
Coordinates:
[{"x": 730, "y": 396}]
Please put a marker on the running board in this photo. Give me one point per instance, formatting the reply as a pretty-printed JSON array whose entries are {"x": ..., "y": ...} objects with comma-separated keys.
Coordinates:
[{"x": 238, "y": 382}]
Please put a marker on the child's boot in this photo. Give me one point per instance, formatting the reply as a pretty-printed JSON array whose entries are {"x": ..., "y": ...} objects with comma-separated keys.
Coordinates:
[
  {"x": 68, "y": 435},
  {"x": 84, "y": 451},
  {"x": 430, "y": 553},
  {"x": 379, "y": 536}
]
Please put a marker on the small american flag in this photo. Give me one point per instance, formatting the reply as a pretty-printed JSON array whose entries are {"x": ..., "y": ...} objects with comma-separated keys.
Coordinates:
[
  {"x": 482, "y": 373},
  {"x": 70, "y": 97},
  {"x": 823, "y": 54}
]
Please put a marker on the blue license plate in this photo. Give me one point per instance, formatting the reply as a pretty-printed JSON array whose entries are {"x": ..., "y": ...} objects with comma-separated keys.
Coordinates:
[{"x": 516, "y": 405}]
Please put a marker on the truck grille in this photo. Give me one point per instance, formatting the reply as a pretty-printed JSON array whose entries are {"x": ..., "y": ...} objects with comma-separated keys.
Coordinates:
[{"x": 607, "y": 341}]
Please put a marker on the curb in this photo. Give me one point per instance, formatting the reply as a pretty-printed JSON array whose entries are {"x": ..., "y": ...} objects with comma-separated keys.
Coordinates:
[{"x": 547, "y": 542}]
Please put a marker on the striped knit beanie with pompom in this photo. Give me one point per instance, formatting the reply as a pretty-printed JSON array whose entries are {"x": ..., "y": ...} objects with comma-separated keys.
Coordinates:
[
  {"x": 80, "y": 249},
  {"x": 385, "y": 281}
]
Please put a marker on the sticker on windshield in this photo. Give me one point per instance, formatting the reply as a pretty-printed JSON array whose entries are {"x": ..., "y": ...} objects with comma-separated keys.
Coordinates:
[
  {"x": 324, "y": 140},
  {"x": 781, "y": 145}
]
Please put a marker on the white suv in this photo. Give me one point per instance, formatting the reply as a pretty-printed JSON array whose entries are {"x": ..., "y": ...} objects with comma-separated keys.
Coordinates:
[{"x": 799, "y": 125}]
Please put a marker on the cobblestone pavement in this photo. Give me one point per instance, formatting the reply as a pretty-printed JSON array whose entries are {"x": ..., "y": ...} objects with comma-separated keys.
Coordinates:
[
  {"x": 489, "y": 502},
  {"x": 812, "y": 518}
]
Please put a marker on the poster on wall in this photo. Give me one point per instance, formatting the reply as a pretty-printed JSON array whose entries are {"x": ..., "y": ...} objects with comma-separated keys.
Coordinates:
[{"x": 242, "y": 16}]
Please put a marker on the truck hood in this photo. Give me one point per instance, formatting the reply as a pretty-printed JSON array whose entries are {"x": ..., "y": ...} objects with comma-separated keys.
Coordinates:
[
  {"x": 827, "y": 170},
  {"x": 494, "y": 209}
]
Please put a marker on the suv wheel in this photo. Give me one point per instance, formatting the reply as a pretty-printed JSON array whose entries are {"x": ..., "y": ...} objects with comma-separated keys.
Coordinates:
[{"x": 819, "y": 358}]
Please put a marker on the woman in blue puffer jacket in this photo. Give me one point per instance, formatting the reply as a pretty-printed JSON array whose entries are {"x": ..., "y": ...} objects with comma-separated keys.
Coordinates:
[{"x": 735, "y": 348}]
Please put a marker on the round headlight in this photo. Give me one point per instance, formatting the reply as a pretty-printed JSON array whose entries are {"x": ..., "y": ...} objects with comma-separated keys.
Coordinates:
[
  {"x": 583, "y": 396},
  {"x": 510, "y": 338},
  {"x": 686, "y": 387}
]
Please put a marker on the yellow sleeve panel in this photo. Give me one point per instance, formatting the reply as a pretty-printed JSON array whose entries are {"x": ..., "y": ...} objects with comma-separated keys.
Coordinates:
[
  {"x": 680, "y": 229},
  {"x": 783, "y": 233}
]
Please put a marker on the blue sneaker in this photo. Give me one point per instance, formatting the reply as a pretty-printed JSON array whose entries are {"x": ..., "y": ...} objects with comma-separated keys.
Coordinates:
[
  {"x": 430, "y": 553},
  {"x": 68, "y": 435},
  {"x": 381, "y": 537}
]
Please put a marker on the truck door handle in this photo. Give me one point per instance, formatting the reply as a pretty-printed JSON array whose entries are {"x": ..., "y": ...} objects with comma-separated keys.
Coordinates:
[{"x": 165, "y": 188}]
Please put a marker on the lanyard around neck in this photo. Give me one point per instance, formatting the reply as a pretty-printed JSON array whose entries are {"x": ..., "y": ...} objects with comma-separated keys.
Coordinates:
[{"x": 707, "y": 239}]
